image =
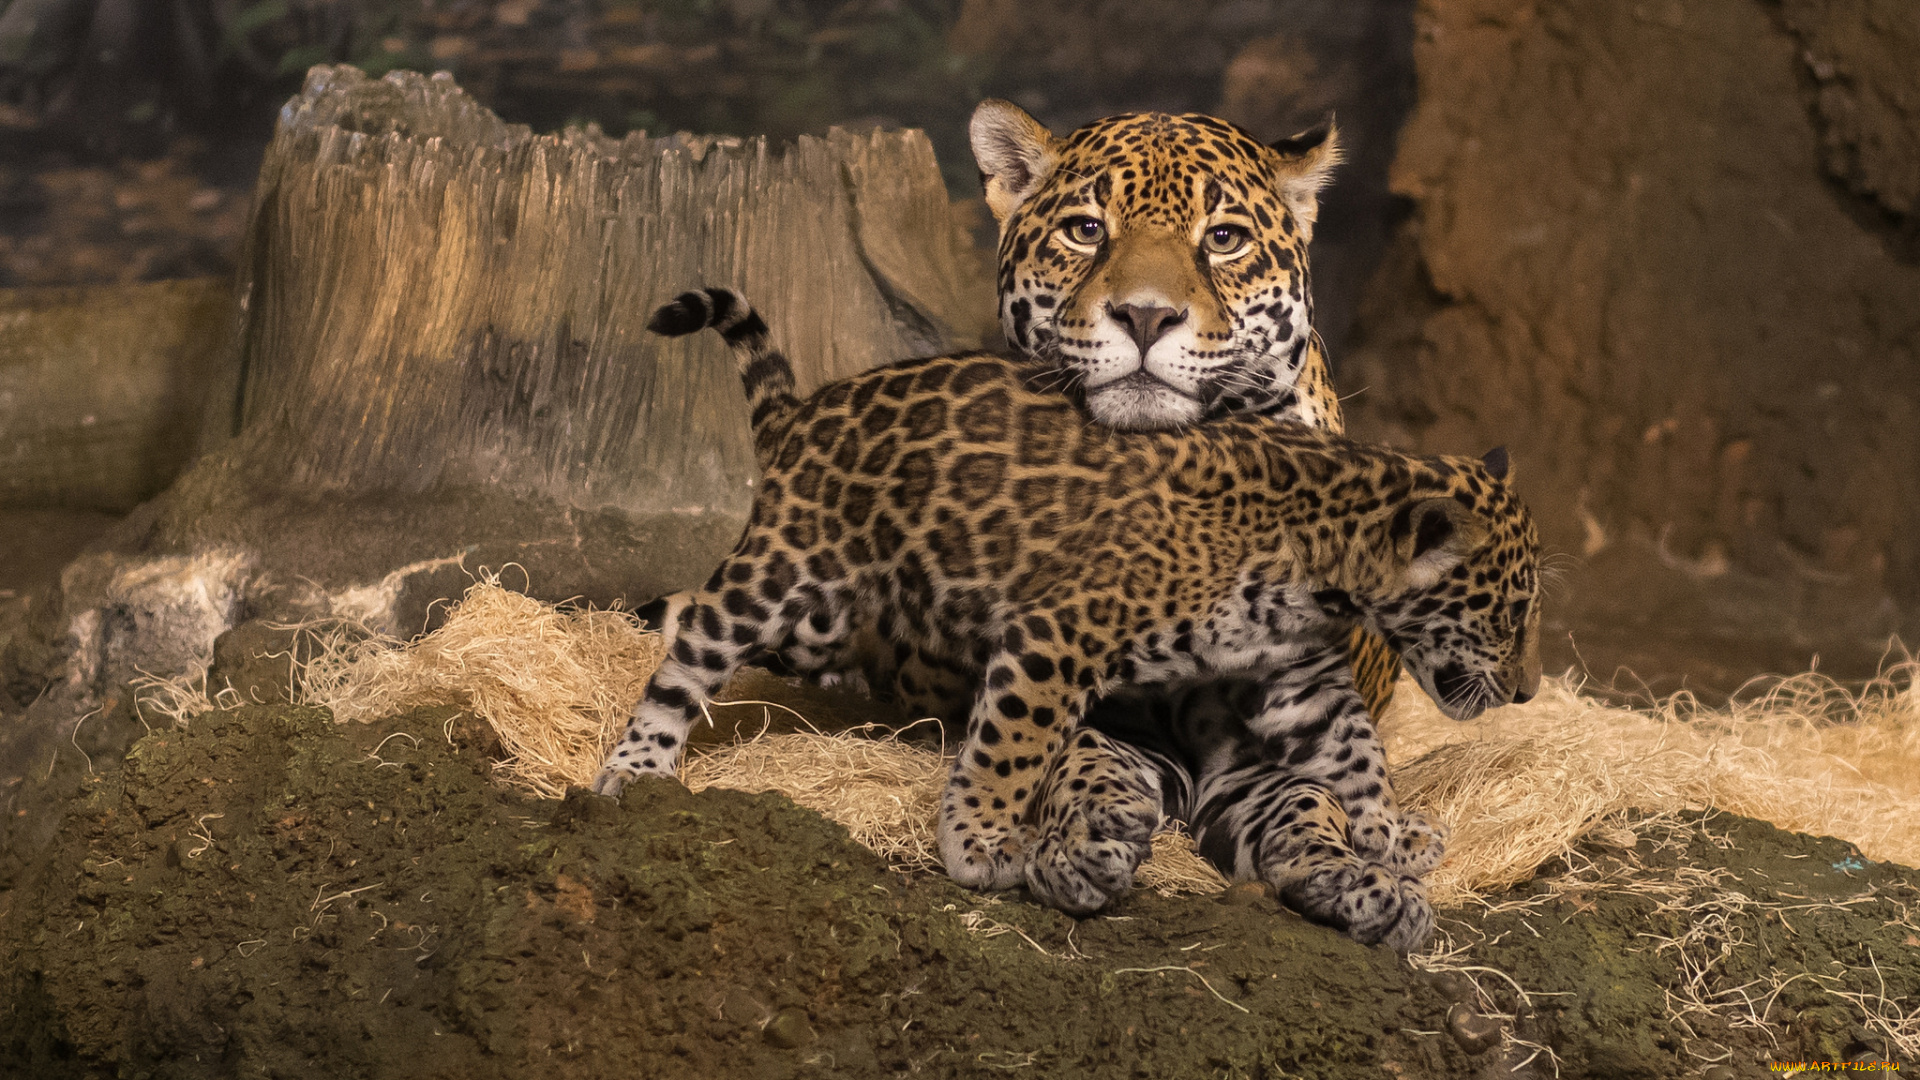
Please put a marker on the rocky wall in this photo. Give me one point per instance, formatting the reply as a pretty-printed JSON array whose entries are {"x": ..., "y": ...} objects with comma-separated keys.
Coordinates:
[{"x": 1663, "y": 252}]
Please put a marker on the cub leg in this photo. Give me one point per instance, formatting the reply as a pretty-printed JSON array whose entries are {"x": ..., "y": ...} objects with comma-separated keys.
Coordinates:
[
  {"x": 1033, "y": 696},
  {"x": 833, "y": 657},
  {"x": 928, "y": 685},
  {"x": 702, "y": 657},
  {"x": 663, "y": 615},
  {"x": 717, "y": 631}
]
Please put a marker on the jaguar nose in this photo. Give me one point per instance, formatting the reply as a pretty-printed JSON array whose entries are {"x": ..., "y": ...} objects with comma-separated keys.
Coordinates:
[{"x": 1145, "y": 324}]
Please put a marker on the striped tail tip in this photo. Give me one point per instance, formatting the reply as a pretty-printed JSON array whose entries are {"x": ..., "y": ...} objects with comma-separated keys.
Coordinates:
[{"x": 687, "y": 313}]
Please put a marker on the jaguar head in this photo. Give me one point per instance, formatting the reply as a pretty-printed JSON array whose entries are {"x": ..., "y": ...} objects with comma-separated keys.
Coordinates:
[
  {"x": 1465, "y": 616},
  {"x": 1158, "y": 262}
]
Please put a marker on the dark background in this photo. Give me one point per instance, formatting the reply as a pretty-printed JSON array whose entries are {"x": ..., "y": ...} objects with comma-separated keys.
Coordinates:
[{"x": 1666, "y": 252}]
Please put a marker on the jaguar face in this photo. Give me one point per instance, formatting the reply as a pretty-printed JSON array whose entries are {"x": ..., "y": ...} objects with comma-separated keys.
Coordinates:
[
  {"x": 1159, "y": 262},
  {"x": 1467, "y": 624}
]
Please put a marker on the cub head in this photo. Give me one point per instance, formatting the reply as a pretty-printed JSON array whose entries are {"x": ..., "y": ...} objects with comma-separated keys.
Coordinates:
[
  {"x": 1463, "y": 611},
  {"x": 1159, "y": 261}
]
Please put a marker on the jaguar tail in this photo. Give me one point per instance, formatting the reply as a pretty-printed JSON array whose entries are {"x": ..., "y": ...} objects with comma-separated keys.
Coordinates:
[{"x": 765, "y": 372}]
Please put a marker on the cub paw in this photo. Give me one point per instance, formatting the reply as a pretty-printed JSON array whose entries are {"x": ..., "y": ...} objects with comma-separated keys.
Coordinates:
[
  {"x": 853, "y": 680},
  {"x": 989, "y": 867},
  {"x": 980, "y": 852},
  {"x": 611, "y": 782},
  {"x": 629, "y": 760},
  {"x": 1079, "y": 868},
  {"x": 1419, "y": 845},
  {"x": 1371, "y": 903}
]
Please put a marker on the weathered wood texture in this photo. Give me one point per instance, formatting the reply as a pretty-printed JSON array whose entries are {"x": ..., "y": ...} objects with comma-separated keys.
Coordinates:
[
  {"x": 434, "y": 297},
  {"x": 101, "y": 389}
]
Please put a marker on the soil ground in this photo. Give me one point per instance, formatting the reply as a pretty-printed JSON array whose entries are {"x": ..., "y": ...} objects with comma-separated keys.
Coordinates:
[{"x": 269, "y": 893}]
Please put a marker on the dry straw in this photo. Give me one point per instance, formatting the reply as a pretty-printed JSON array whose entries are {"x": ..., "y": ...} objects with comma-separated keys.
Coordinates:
[
  {"x": 883, "y": 790},
  {"x": 1518, "y": 787},
  {"x": 552, "y": 682}
]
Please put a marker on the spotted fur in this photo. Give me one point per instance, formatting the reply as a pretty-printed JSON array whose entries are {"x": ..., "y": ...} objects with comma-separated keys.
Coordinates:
[
  {"x": 1211, "y": 333},
  {"x": 951, "y": 505}
]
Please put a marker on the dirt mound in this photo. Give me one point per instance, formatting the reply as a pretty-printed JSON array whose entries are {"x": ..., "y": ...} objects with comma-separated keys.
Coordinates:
[{"x": 269, "y": 892}]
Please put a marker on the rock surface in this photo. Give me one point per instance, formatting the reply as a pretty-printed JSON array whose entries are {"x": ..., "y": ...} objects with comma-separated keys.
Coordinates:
[
  {"x": 1639, "y": 257},
  {"x": 101, "y": 389}
]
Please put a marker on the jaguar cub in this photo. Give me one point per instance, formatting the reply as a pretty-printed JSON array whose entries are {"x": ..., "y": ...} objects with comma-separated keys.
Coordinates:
[{"x": 950, "y": 504}]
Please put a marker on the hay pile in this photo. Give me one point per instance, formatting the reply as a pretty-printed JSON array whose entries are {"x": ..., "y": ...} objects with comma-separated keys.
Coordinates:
[
  {"x": 1518, "y": 787},
  {"x": 552, "y": 682},
  {"x": 886, "y": 792}
]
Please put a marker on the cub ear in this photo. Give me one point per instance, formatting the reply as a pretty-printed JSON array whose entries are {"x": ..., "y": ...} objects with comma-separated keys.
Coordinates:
[
  {"x": 1306, "y": 163},
  {"x": 1336, "y": 604},
  {"x": 1015, "y": 152},
  {"x": 1432, "y": 536},
  {"x": 1496, "y": 462}
]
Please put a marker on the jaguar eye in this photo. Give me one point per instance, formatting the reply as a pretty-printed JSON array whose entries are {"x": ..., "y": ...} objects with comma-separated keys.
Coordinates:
[
  {"x": 1084, "y": 230},
  {"x": 1519, "y": 609},
  {"x": 1226, "y": 239}
]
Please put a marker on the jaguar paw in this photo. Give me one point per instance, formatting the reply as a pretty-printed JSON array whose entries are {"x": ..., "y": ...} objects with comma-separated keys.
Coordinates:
[
  {"x": 1370, "y": 903},
  {"x": 983, "y": 858},
  {"x": 1386, "y": 908},
  {"x": 1079, "y": 871},
  {"x": 1419, "y": 845},
  {"x": 626, "y": 764}
]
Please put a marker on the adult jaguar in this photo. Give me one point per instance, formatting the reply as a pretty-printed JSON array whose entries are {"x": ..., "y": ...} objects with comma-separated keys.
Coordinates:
[{"x": 1155, "y": 267}]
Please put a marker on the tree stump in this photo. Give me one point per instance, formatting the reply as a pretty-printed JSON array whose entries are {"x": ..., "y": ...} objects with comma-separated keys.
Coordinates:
[
  {"x": 440, "y": 359},
  {"x": 442, "y": 344},
  {"x": 434, "y": 298}
]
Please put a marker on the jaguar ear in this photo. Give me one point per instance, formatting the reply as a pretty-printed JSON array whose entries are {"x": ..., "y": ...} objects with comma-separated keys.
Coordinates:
[
  {"x": 1015, "y": 152},
  {"x": 1306, "y": 163},
  {"x": 1305, "y": 142},
  {"x": 1496, "y": 462},
  {"x": 1432, "y": 536}
]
